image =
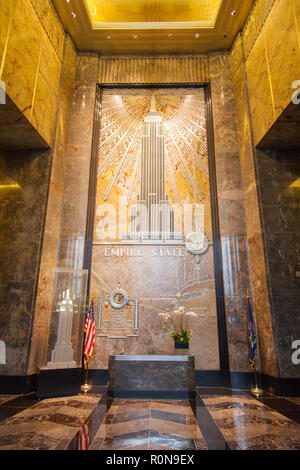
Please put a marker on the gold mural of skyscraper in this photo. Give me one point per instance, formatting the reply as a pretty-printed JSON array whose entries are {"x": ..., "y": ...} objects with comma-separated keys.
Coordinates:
[
  {"x": 152, "y": 164},
  {"x": 152, "y": 218}
]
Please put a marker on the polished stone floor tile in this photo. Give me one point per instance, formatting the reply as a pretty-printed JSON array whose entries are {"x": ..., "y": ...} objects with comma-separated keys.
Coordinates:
[
  {"x": 249, "y": 424},
  {"x": 132, "y": 440},
  {"x": 216, "y": 419},
  {"x": 157, "y": 424},
  {"x": 6, "y": 398},
  {"x": 46, "y": 423},
  {"x": 173, "y": 417},
  {"x": 171, "y": 441}
]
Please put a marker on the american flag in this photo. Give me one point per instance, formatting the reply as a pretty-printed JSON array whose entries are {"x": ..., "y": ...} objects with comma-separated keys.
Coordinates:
[
  {"x": 84, "y": 438},
  {"x": 90, "y": 333}
]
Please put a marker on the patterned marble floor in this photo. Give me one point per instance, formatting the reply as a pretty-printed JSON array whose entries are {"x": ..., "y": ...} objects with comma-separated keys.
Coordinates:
[
  {"x": 248, "y": 424},
  {"x": 6, "y": 398},
  {"x": 149, "y": 425},
  {"x": 217, "y": 419}
]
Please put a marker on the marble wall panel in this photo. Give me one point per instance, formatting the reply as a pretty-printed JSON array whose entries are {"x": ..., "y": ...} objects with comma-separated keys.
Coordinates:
[
  {"x": 260, "y": 90},
  {"x": 255, "y": 22},
  {"x": 259, "y": 281},
  {"x": 23, "y": 52},
  {"x": 231, "y": 210},
  {"x": 73, "y": 222},
  {"x": 32, "y": 61},
  {"x": 283, "y": 48},
  {"x": 24, "y": 178},
  {"x": 67, "y": 205},
  {"x": 280, "y": 207},
  {"x": 45, "y": 104},
  {"x": 272, "y": 208},
  {"x": 5, "y": 16},
  {"x": 265, "y": 323},
  {"x": 154, "y": 334},
  {"x": 43, "y": 306},
  {"x": 271, "y": 67},
  {"x": 87, "y": 67},
  {"x": 51, "y": 23},
  {"x": 16, "y": 131}
]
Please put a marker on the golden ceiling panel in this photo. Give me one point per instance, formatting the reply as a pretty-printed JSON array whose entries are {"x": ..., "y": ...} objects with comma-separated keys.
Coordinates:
[
  {"x": 152, "y": 13},
  {"x": 124, "y": 27}
]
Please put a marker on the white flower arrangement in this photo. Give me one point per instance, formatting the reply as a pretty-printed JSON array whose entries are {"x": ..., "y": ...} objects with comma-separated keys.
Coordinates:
[{"x": 180, "y": 319}]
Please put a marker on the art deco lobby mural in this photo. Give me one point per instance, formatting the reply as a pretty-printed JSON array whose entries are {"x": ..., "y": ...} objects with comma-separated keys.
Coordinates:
[{"x": 153, "y": 231}]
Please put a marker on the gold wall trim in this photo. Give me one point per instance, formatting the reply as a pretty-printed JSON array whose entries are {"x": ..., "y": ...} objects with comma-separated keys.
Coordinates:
[
  {"x": 152, "y": 70},
  {"x": 269, "y": 77},
  {"x": 296, "y": 24},
  {"x": 37, "y": 75},
  {"x": 7, "y": 38},
  {"x": 255, "y": 23},
  {"x": 50, "y": 21}
]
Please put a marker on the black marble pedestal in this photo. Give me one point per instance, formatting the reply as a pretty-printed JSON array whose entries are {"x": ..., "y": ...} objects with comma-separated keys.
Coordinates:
[{"x": 151, "y": 376}]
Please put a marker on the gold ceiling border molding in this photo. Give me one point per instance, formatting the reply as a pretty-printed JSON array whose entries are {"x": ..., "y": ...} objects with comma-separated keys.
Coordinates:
[
  {"x": 153, "y": 70},
  {"x": 155, "y": 25},
  {"x": 183, "y": 40}
]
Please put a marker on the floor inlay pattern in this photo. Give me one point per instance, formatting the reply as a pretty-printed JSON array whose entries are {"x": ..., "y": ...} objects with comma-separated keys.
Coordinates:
[
  {"x": 149, "y": 425},
  {"x": 216, "y": 419},
  {"x": 46, "y": 424},
  {"x": 248, "y": 424}
]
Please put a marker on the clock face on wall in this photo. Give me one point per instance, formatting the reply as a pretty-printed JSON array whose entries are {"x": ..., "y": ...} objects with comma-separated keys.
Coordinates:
[{"x": 197, "y": 243}]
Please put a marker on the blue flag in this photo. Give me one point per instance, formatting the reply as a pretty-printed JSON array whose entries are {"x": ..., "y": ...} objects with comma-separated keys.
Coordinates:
[{"x": 251, "y": 335}]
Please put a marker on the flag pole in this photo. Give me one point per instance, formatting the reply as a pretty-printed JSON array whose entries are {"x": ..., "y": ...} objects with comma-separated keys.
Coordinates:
[
  {"x": 254, "y": 389},
  {"x": 86, "y": 386}
]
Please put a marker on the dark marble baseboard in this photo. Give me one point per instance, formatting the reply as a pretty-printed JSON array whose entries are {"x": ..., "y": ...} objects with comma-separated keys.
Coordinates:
[
  {"x": 242, "y": 380},
  {"x": 59, "y": 383},
  {"x": 152, "y": 394},
  {"x": 204, "y": 378},
  {"x": 214, "y": 378},
  {"x": 209, "y": 378},
  {"x": 18, "y": 385},
  {"x": 284, "y": 387}
]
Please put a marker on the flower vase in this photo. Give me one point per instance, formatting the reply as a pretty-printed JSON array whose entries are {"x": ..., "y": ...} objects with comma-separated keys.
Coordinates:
[{"x": 181, "y": 348}]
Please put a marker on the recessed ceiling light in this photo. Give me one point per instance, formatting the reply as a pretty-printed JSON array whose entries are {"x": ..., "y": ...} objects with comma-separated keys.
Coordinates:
[
  {"x": 170, "y": 35},
  {"x": 233, "y": 12},
  {"x": 197, "y": 35},
  {"x": 108, "y": 36},
  {"x": 73, "y": 14},
  {"x": 135, "y": 36}
]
